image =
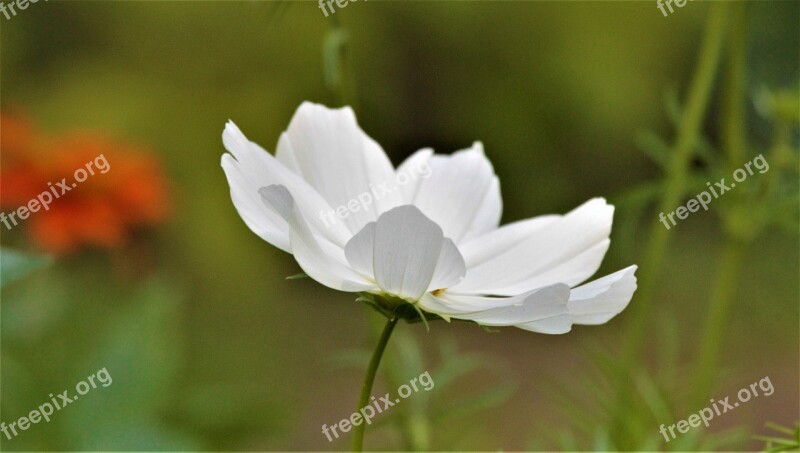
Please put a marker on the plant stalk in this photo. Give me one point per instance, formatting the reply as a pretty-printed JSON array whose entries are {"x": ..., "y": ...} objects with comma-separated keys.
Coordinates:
[
  {"x": 734, "y": 144},
  {"x": 688, "y": 133},
  {"x": 369, "y": 379},
  {"x": 719, "y": 307},
  {"x": 677, "y": 175}
]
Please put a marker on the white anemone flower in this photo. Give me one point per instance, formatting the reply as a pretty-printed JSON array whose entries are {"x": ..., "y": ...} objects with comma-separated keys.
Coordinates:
[{"x": 430, "y": 241}]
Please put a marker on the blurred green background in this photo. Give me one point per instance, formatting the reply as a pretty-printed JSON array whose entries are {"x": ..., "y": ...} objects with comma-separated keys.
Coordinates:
[{"x": 211, "y": 348}]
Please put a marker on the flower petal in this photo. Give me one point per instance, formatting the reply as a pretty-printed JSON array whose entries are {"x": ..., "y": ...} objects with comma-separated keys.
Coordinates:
[
  {"x": 501, "y": 240},
  {"x": 360, "y": 250},
  {"x": 328, "y": 149},
  {"x": 555, "y": 325},
  {"x": 566, "y": 249},
  {"x": 461, "y": 194},
  {"x": 420, "y": 160},
  {"x": 544, "y": 309},
  {"x": 320, "y": 259},
  {"x": 551, "y": 310},
  {"x": 450, "y": 267},
  {"x": 406, "y": 253},
  {"x": 268, "y": 225},
  {"x": 600, "y": 300},
  {"x": 248, "y": 168}
]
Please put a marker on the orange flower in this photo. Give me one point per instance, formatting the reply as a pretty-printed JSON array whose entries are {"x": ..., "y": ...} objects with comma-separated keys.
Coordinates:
[{"x": 101, "y": 190}]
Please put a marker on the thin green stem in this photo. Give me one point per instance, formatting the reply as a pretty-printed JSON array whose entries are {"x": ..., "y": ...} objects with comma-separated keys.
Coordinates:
[
  {"x": 721, "y": 296},
  {"x": 688, "y": 133},
  {"x": 337, "y": 64},
  {"x": 733, "y": 108},
  {"x": 734, "y": 145},
  {"x": 677, "y": 176},
  {"x": 369, "y": 379}
]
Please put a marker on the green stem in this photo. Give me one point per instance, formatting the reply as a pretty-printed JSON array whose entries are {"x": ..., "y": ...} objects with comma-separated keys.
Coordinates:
[
  {"x": 688, "y": 133},
  {"x": 733, "y": 108},
  {"x": 369, "y": 379},
  {"x": 677, "y": 175},
  {"x": 734, "y": 144},
  {"x": 337, "y": 62},
  {"x": 721, "y": 296}
]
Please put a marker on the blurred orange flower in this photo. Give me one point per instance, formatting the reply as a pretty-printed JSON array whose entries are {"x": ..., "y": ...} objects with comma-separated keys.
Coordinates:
[{"x": 113, "y": 188}]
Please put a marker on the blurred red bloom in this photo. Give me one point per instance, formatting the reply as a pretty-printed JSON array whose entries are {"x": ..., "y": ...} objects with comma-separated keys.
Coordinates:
[{"x": 127, "y": 189}]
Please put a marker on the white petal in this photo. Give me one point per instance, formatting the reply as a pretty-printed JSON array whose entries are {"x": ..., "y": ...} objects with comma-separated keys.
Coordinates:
[
  {"x": 265, "y": 223},
  {"x": 253, "y": 168},
  {"x": 544, "y": 309},
  {"x": 600, "y": 300},
  {"x": 399, "y": 251},
  {"x": 408, "y": 247},
  {"x": 555, "y": 325},
  {"x": 448, "y": 271},
  {"x": 551, "y": 310},
  {"x": 320, "y": 259},
  {"x": 450, "y": 267},
  {"x": 359, "y": 251},
  {"x": 566, "y": 249},
  {"x": 417, "y": 165},
  {"x": 462, "y": 193},
  {"x": 540, "y": 304},
  {"x": 328, "y": 149},
  {"x": 478, "y": 250},
  {"x": 406, "y": 253}
]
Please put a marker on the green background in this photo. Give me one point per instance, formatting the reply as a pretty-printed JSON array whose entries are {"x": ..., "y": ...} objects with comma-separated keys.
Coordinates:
[{"x": 211, "y": 348}]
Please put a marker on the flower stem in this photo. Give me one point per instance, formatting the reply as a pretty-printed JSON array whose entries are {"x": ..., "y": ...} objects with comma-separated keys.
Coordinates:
[
  {"x": 688, "y": 132},
  {"x": 734, "y": 144},
  {"x": 733, "y": 126},
  {"x": 369, "y": 379},
  {"x": 677, "y": 173},
  {"x": 722, "y": 294}
]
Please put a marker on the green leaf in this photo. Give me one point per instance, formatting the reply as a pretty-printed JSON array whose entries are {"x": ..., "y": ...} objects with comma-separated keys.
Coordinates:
[
  {"x": 783, "y": 429},
  {"x": 672, "y": 104},
  {"x": 654, "y": 147},
  {"x": 791, "y": 443},
  {"x": 15, "y": 265},
  {"x": 422, "y": 315},
  {"x": 370, "y": 301},
  {"x": 652, "y": 397}
]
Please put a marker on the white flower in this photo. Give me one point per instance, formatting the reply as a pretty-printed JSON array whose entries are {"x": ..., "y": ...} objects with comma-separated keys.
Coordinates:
[{"x": 434, "y": 242}]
